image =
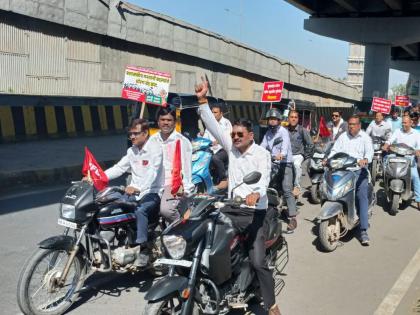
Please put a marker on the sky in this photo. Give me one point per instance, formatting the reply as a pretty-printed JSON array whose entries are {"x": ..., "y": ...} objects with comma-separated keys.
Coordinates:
[{"x": 273, "y": 26}]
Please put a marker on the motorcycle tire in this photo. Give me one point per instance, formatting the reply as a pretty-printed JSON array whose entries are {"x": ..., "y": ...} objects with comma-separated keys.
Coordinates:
[
  {"x": 158, "y": 270},
  {"x": 324, "y": 234},
  {"x": 374, "y": 172},
  {"x": 315, "y": 194},
  {"x": 394, "y": 205},
  {"x": 157, "y": 308},
  {"x": 27, "y": 273}
]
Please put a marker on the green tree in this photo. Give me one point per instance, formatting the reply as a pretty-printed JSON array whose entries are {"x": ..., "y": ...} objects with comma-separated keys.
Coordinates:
[{"x": 399, "y": 89}]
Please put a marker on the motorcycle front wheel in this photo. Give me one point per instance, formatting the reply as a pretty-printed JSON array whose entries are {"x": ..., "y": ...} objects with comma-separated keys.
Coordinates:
[
  {"x": 395, "y": 204},
  {"x": 374, "y": 172},
  {"x": 168, "y": 306},
  {"x": 329, "y": 234},
  {"x": 38, "y": 291},
  {"x": 315, "y": 194}
]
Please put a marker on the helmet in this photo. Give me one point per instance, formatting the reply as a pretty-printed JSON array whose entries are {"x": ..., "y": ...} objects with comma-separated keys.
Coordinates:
[{"x": 273, "y": 113}]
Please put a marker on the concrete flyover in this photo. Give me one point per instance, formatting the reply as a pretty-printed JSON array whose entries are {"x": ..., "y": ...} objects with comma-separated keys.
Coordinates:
[
  {"x": 390, "y": 30},
  {"x": 79, "y": 48}
]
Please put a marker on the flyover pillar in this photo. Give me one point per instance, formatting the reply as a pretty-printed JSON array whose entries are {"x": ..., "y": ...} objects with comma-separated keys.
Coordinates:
[{"x": 376, "y": 73}]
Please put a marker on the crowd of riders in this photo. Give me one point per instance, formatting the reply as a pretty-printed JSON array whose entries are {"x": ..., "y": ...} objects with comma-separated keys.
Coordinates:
[{"x": 282, "y": 152}]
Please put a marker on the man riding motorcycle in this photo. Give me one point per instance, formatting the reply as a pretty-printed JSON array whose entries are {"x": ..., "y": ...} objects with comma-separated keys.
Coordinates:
[
  {"x": 358, "y": 144},
  {"x": 245, "y": 156},
  {"x": 144, "y": 160},
  {"x": 410, "y": 137},
  {"x": 379, "y": 127},
  {"x": 277, "y": 142}
]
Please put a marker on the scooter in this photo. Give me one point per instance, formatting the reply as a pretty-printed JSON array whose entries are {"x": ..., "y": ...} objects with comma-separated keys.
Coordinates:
[
  {"x": 201, "y": 159},
  {"x": 338, "y": 192},
  {"x": 397, "y": 175},
  {"x": 316, "y": 169},
  {"x": 377, "y": 165}
]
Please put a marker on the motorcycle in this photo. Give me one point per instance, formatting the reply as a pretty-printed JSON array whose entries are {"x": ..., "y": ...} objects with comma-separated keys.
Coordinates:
[
  {"x": 376, "y": 166},
  {"x": 397, "y": 175},
  {"x": 210, "y": 271},
  {"x": 201, "y": 159},
  {"x": 338, "y": 192},
  {"x": 99, "y": 227},
  {"x": 316, "y": 169}
]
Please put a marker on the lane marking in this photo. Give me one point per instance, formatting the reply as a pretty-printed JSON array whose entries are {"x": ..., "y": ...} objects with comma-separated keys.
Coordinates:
[
  {"x": 395, "y": 295},
  {"x": 33, "y": 192}
]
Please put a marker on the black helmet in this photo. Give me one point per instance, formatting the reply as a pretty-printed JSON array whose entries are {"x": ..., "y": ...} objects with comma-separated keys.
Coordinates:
[{"x": 273, "y": 113}]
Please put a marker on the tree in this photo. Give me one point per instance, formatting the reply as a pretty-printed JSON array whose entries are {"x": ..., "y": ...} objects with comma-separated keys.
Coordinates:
[{"x": 399, "y": 89}]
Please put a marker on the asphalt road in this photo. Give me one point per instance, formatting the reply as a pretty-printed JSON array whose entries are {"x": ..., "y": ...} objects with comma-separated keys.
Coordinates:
[{"x": 382, "y": 278}]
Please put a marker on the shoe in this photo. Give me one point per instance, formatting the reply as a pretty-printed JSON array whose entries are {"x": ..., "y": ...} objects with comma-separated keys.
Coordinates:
[
  {"x": 143, "y": 258},
  {"x": 364, "y": 238},
  {"x": 296, "y": 191},
  {"x": 274, "y": 310},
  {"x": 292, "y": 225}
]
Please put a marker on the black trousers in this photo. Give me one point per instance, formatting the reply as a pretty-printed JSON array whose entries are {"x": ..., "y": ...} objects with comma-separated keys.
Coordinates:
[
  {"x": 251, "y": 221},
  {"x": 219, "y": 161}
]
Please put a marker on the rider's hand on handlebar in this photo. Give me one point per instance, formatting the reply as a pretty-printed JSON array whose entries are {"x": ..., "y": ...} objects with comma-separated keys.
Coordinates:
[
  {"x": 87, "y": 179},
  {"x": 252, "y": 199},
  {"x": 417, "y": 153},
  {"x": 324, "y": 162},
  {"x": 129, "y": 190},
  {"x": 385, "y": 147},
  {"x": 363, "y": 162},
  {"x": 279, "y": 157}
]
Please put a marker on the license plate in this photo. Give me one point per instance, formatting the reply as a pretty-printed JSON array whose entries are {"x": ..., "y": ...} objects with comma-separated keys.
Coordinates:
[
  {"x": 318, "y": 155},
  {"x": 174, "y": 262},
  {"x": 68, "y": 224}
]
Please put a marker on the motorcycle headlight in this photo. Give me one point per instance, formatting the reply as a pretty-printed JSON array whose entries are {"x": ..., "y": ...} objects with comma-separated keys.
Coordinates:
[
  {"x": 175, "y": 245},
  {"x": 68, "y": 211},
  {"x": 337, "y": 164}
]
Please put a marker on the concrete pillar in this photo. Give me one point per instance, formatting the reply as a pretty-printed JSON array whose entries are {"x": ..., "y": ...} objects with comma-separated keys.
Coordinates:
[{"x": 376, "y": 73}]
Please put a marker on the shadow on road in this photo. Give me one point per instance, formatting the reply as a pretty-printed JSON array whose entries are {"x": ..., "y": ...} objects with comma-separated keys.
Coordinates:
[
  {"x": 29, "y": 200},
  {"x": 111, "y": 285}
]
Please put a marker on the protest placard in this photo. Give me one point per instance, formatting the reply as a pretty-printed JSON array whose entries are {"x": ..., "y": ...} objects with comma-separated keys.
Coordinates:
[
  {"x": 145, "y": 85},
  {"x": 402, "y": 100},
  {"x": 381, "y": 105},
  {"x": 272, "y": 91}
]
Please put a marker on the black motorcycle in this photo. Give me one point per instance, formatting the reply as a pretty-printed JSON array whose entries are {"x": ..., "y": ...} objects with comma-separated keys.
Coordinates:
[
  {"x": 99, "y": 230},
  {"x": 377, "y": 166},
  {"x": 316, "y": 169},
  {"x": 210, "y": 271}
]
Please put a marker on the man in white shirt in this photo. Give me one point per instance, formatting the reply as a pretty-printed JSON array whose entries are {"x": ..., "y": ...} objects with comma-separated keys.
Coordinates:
[
  {"x": 410, "y": 137},
  {"x": 379, "y": 127},
  {"x": 337, "y": 125},
  {"x": 358, "y": 144},
  {"x": 245, "y": 157},
  {"x": 220, "y": 157},
  {"x": 167, "y": 138},
  {"x": 144, "y": 160}
]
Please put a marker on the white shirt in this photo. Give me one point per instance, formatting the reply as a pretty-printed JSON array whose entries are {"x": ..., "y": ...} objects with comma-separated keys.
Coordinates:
[
  {"x": 168, "y": 147},
  {"x": 383, "y": 130},
  {"x": 360, "y": 146},
  {"x": 256, "y": 158},
  {"x": 335, "y": 128},
  {"x": 411, "y": 138},
  {"x": 227, "y": 128},
  {"x": 146, "y": 169}
]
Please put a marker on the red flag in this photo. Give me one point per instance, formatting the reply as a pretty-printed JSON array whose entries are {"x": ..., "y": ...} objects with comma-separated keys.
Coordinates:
[
  {"x": 92, "y": 169},
  {"x": 323, "y": 130},
  {"x": 176, "y": 169}
]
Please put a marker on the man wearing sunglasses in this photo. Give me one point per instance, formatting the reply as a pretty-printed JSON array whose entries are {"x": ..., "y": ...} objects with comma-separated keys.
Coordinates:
[
  {"x": 245, "y": 157},
  {"x": 144, "y": 160},
  {"x": 337, "y": 125}
]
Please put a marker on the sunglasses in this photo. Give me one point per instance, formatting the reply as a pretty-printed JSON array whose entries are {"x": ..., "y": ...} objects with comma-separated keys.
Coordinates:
[
  {"x": 239, "y": 134},
  {"x": 135, "y": 134},
  {"x": 335, "y": 115}
]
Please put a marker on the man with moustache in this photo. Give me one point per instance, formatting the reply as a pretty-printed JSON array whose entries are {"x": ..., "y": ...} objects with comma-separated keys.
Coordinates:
[{"x": 245, "y": 157}]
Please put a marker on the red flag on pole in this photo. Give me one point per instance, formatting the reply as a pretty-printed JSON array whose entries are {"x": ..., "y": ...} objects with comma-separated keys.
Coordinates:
[
  {"x": 93, "y": 170},
  {"x": 176, "y": 169},
  {"x": 323, "y": 130}
]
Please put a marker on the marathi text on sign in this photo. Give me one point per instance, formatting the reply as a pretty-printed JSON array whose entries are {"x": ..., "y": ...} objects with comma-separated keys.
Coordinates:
[
  {"x": 272, "y": 91},
  {"x": 402, "y": 100},
  {"x": 381, "y": 105}
]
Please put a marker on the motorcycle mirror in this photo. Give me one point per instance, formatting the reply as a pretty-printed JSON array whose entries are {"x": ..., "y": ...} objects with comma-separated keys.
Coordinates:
[{"x": 252, "y": 178}]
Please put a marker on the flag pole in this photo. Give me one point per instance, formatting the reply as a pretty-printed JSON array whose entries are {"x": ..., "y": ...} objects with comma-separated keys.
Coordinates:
[{"x": 143, "y": 105}]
